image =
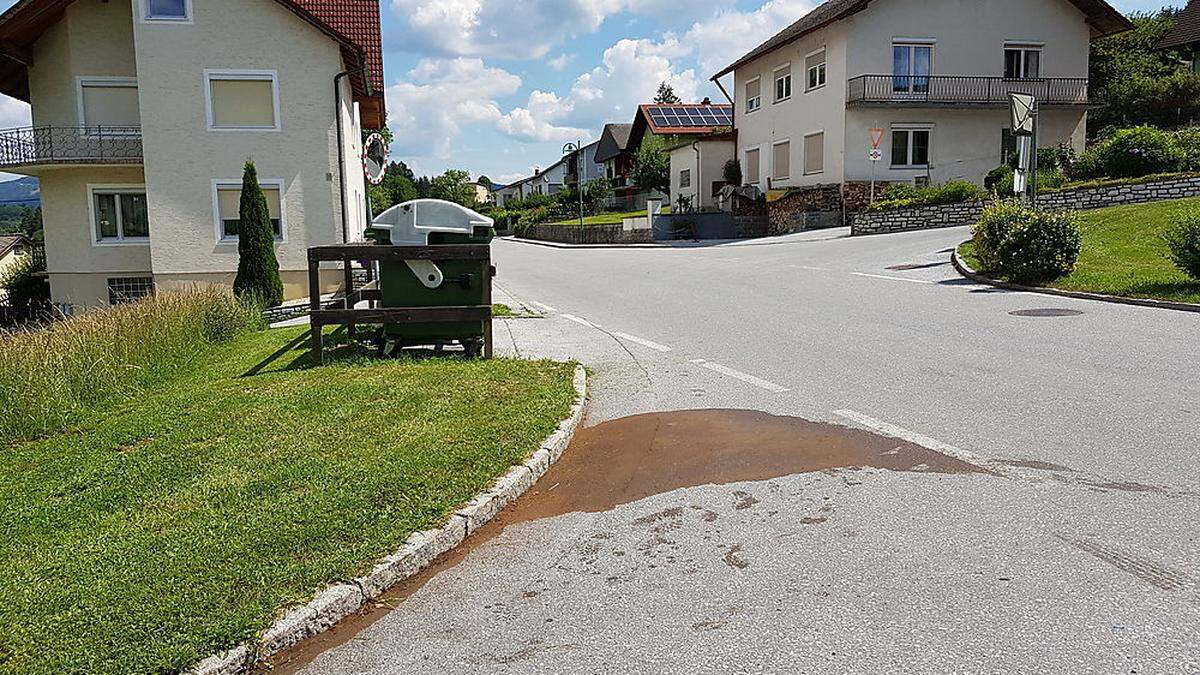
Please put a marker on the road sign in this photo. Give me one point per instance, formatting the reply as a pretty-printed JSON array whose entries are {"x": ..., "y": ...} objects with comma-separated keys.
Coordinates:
[
  {"x": 1023, "y": 108},
  {"x": 876, "y": 137},
  {"x": 875, "y": 155}
]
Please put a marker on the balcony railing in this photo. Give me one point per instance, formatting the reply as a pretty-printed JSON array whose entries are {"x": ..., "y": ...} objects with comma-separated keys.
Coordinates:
[
  {"x": 31, "y": 146},
  {"x": 962, "y": 90}
]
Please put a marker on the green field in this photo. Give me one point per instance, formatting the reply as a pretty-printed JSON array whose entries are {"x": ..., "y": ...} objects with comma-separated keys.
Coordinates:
[
  {"x": 161, "y": 527},
  {"x": 1124, "y": 254}
]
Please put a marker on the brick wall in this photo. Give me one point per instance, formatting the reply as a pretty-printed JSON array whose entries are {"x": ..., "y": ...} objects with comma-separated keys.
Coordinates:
[{"x": 951, "y": 215}]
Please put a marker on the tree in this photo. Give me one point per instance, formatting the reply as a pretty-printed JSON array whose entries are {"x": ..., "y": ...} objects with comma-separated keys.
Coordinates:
[
  {"x": 258, "y": 269},
  {"x": 453, "y": 186},
  {"x": 484, "y": 181},
  {"x": 666, "y": 94},
  {"x": 395, "y": 188},
  {"x": 423, "y": 186},
  {"x": 652, "y": 165},
  {"x": 732, "y": 172}
]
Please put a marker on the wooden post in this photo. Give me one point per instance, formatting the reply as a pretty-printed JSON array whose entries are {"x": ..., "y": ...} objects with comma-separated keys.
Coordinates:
[
  {"x": 314, "y": 306},
  {"x": 348, "y": 288}
]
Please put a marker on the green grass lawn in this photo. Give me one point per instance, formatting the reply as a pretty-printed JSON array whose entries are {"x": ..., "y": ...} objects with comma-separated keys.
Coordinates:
[
  {"x": 175, "y": 523},
  {"x": 1124, "y": 254},
  {"x": 613, "y": 218}
]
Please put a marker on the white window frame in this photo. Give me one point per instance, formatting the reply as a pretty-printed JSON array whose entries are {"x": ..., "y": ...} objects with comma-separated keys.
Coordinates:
[
  {"x": 776, "y": 143},
  {"x": 910, "y": 43},
  {"x": 256, "y": 75},
  {"x": 775, "y": 83},
  {"x": 746, "y": 164},
  {"x": 144, "y": 14},
  {"x": 82, "y": 81},
  {"x": 757, "y": 99},
  {"x": 908, "y": 152},
  {"x": 1023, "y": 46},
  {"x": 823, "y": 70},
  {"x": 219, "y": 227},
  {"x": 804, "y": 154},
  {"x": 113, "y": 188}
]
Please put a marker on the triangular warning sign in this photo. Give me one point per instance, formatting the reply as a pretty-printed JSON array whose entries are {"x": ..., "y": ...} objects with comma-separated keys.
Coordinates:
[{"x": 1022, "y": 106}]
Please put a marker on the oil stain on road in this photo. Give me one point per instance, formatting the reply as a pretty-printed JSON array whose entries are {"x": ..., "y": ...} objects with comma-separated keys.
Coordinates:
[{"x": 632, "y": 458}]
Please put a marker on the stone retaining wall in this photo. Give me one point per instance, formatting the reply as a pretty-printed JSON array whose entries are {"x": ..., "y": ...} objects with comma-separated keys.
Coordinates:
[
  {"x": 952, "y": 215},
  {"x": 589, "y": 234}
]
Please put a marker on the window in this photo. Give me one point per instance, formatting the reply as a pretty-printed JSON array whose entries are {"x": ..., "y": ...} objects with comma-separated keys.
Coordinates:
[
  {"x": 815, "y": 64},
  {"x": 911, "y": 65},
  {"x": 1022, "y": 63},
  {"x": 781, "y": 160},
  {"x": 128, "y": 289},
  {"x": 119, "y": 214},
  {"x": 910, "y": 147},
  {"x": 783, "y": 83},
  {"x": 179, "y": 11},
  {"x": 109, "y": 102},
  {"x": 752, "y": 167},
  {"x": 685, "y": 178},
  {"x": 753, "y": 95},
  {"x": 1008, "y": 145},
  {"x": 228, "y": 199},
  {"x": 242, "y": 101},
  {"x": 814, "y": 153}
]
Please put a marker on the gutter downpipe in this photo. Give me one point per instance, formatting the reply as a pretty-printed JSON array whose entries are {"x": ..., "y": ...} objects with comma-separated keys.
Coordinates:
[
  {"x": 341, "y": 151},
  {"x": 699, "y": 180},
  {"x": 732, "y": 116}
]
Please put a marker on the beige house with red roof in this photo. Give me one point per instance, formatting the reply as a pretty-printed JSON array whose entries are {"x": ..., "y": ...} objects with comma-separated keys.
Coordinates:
[{"x": 144, "y": 112}]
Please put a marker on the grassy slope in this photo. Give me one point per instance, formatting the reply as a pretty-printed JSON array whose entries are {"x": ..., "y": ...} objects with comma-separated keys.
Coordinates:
[
  {"x": 155, "y": 533},
  {"x": 1124, "y": 254},
  {"x": 613, "y": 218}
]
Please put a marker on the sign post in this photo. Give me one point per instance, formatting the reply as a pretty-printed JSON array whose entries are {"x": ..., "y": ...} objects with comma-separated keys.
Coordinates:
[
  {"x": 874, "y": 155},
  {"x": 1024, "y": 111}
]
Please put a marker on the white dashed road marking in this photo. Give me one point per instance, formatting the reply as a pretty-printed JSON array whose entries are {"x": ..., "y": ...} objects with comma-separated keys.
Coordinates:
[
  {"x": 542, "y": 306},
  {"x": 739, "y": 375},
  {"x": 920, "y": 439},
  {"x": 885, "y": 276},
  {"x": 578, "y": 320},
  {"x": 643, "y": 342}
]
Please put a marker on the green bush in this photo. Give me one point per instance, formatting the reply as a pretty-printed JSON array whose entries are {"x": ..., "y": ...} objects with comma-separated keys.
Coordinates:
[
  {"x": 997, "y": 177},
  {"x": 258, "y": 268},
  {"x": 901, "y": 195},
  {"x": 1138, "y": 151},
  {"x": 732, "y": 172},
  {"x": 1183, "y": 242},
  {"x": 1188, "y": 141},
  {"x": 1026, "y": 244}
]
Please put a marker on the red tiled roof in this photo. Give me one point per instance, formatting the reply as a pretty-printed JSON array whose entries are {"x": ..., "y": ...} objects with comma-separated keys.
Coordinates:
[{"x": 357, "y": 21}]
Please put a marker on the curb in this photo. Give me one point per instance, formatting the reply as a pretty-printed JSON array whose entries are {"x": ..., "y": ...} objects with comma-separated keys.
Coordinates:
[
  {"x": 340, "y": 600},
  {"x": 971, "y": 274}
]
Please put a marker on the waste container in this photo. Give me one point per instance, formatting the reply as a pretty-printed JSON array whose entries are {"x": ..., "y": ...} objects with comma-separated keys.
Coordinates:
[{"x": 433, "y": 282}]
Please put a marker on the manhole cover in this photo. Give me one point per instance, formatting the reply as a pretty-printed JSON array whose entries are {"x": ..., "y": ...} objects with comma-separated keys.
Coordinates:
[{"x": 1046, "y": 311}]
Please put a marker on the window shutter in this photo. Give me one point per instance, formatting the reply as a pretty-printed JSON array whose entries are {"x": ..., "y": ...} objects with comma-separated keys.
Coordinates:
[
  {"x": 752, "y": 166},
  {"x": 110, "y": 105},
  {"x": 243, "y": 103},
  {"x": 814, "y": 153},
  {"x": 781, "y": 160}
]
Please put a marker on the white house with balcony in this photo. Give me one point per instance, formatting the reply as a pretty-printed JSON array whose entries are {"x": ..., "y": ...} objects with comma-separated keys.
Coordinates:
[
  {"x": 144, "y": 112},
  {"x": 932, "y": 75}
]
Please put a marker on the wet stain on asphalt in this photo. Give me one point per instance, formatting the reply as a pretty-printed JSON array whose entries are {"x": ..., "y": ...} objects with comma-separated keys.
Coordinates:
[{"x": 631, "y": 458}]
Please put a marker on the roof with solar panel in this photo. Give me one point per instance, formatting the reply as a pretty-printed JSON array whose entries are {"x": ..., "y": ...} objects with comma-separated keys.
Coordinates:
[{"x": 686, "y": 118}]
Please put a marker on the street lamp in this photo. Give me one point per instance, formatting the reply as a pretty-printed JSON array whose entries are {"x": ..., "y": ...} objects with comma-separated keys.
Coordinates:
[{"x": 573, "y": 148}]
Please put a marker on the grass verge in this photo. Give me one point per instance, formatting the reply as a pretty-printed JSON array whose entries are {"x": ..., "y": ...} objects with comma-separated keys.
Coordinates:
[
  {"x": 1124, "y": 254},
  {"x": 613, "y": 218},
  {"x": 175, "y": 523}
]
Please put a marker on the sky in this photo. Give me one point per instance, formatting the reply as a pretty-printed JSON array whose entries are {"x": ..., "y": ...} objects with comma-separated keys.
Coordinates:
[{"x": 496, "y": 87}]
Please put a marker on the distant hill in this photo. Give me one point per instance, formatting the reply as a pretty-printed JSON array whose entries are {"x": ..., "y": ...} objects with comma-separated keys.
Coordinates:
[{"x": 22, "y": 191}]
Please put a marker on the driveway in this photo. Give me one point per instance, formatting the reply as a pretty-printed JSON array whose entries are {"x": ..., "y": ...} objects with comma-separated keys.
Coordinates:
[{"x": 889, "y": 470}]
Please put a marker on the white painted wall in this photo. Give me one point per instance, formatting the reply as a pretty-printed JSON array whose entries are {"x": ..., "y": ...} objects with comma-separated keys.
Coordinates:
[{"x": 706, "y": 162}]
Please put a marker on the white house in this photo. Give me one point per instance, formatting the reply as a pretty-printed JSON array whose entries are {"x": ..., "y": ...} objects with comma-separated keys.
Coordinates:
[
  {"x": 932, "y": 75},
  {"x": 698, "y": 170},
  {"x": 144, "y": 112}
]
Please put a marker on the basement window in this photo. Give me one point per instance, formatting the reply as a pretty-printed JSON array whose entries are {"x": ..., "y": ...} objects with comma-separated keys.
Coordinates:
[
  {"x": 129, "y": 289},
  {"x": 177, "y": 11}
]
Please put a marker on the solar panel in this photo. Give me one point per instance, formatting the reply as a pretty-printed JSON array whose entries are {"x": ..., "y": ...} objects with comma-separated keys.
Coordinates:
[{"x": 691, "y": 116}]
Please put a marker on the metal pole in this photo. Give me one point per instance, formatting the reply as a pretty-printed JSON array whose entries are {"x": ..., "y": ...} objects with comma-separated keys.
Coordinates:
[
  {"x": 579, "y": 180},
  {"x": 1033, "y": 158}
]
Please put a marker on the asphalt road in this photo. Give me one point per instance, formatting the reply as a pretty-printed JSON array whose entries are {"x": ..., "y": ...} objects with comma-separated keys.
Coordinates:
[{"x": 1073, "y": 548}]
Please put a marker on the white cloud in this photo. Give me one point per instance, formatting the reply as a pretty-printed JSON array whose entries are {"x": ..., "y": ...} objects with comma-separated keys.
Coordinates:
[
  {"x": 561, "y": 61},
  {"x": 429, "y": 109},
  {"x": 629, "y": 74},
  {"x": 721, "y": 40}
]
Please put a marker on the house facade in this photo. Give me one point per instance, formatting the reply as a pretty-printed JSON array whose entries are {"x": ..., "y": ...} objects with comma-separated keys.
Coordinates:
[
  {"x": 698, "y": 171},
  {"x": 932, "y": 75},
  {"x": 144, "y": 112},
  {"x": 548, "y": 181}
]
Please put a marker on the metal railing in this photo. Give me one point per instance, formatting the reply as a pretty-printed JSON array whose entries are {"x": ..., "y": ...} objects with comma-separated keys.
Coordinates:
[
  {"x": 962, "y": 90},
  {"x": 28, "y": 146}
]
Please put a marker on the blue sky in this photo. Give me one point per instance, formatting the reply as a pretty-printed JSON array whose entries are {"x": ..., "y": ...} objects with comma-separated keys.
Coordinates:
[{"x": 496, "y": 87}]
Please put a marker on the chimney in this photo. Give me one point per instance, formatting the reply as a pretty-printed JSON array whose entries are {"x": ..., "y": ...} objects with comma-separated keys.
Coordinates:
[{"x": 706, "y": 101}]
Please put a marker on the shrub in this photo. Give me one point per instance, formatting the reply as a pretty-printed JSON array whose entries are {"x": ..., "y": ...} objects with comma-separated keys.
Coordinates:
[
  {"x": 997, "y": 177},
  {"x": 732, "y": 173},
  {"x": 1138, "y": 151},
  {"x": 50, "y": 375},
  {"x": 1183, "y": 242},
  {"x": 1188, "y": 141},
  {"x": 258, "y": 268},
  {"x": 901, "y": 195},
  {"x": 1026, "y": 244}
]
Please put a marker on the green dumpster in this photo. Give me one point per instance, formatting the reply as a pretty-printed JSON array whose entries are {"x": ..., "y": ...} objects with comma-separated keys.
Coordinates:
[{"x": 433, "y": 282}]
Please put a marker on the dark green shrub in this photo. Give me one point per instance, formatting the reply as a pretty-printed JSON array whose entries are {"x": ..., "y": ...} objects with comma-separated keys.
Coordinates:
[
  {"x": 1026, "y": 244},
  {"x": 1188, "y": 141},
  {"x": 1089, "y": 164},
  {"x": 1183, "y": 242},
  {"x": 996, "y": 177},
  {"x": 1138, "y": 151},
  {"x": 902, "y": 195},
  {"x": 897, "y": 191},
  {"x": 732, "y": 173},
  {"x": 258, "y": 268}
]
